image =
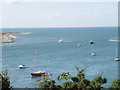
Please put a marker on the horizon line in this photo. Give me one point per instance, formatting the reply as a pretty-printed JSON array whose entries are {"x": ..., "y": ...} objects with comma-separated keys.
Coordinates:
[{"x": 58, "y": 27}]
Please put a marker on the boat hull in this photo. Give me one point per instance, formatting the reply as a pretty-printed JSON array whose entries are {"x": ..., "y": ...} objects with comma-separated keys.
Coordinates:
[
  {"x": 37, "y": 74},
  {"x": 22, "y": 67},
  {"x": 117, "y": 59}
]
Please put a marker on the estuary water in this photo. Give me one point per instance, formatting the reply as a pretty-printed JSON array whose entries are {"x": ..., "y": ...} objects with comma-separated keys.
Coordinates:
[{"x": 55, "y": 58}]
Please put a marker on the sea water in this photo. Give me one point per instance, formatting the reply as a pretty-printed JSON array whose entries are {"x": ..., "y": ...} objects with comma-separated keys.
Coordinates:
[{"x": 55, "y": 58}]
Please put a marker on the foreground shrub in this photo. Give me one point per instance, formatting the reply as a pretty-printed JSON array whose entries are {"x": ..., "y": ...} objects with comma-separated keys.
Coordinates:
[
  {"x": 76, "y": 82},
  {"x": 115, "y": 84},
  {"x": 5, "y": 80}
]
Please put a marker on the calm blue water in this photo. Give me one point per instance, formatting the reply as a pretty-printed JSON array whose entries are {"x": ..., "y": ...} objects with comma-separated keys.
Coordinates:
[{"x": 55, "y": 58}]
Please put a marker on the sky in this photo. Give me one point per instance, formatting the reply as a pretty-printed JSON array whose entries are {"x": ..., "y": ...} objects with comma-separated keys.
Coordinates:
[{"x": 35, "y": 14}]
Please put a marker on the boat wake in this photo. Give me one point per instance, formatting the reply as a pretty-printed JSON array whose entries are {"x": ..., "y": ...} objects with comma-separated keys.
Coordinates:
[
  {"x": 12, "y": 36},
  {"x": 68, "y": 41},
  {"x": 25, "y": 33},
  {"x": 6, "y": 44}
]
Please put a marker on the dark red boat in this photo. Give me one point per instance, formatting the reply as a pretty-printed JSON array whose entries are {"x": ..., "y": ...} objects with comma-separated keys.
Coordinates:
[{"x": 38, "y": 73}]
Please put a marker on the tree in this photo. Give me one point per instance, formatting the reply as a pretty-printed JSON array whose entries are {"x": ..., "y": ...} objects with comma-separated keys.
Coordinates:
[
  {"x": 5, "y": 80},
  {"x": 97, "y": 82},
  {"x": 64, "y": 75},
  {"x": 115, "y": 84},
  {"x": 46, "y": 82},
  {"x": 68, "y": 85}
]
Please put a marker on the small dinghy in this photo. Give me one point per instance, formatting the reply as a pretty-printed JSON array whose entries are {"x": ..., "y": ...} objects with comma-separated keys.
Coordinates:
[
  {"x": 78, "y": 45},
  {"x": 93, "y": 54},
  {"x": 61, "y": 40},
  {"x": 22, "y": 66},
  {"x": 91, "y": 42}
]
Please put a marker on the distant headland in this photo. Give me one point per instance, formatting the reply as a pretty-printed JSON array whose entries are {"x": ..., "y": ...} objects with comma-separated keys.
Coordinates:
[{"x": 6, "y": 36}]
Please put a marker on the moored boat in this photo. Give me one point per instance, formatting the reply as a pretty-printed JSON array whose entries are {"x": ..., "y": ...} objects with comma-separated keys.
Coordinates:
[
  {"x": 91, "y": 42},
  {"x": 38, "y": 73},
  {"x": 61, "y": 40},
  {"x": 78, "y": 45},
  {"x": 117, "y": 59},
  {"x": 93, "y": 54},
  {"x": 22, "y": 66}
]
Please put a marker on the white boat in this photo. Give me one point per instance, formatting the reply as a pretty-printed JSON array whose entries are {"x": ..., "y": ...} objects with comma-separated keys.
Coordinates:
[
  {"x": 38, "y": 73},
  {"x": 93, "y": 54},
  {"x": 22, "y": 66},
  {"x": 78, "y": 45},
  {"x": 114, "y": 40},
  {"x": 91, "y": 42},
  {"x": 61, "y": 40},
  {"x": 117, "y": 59}
]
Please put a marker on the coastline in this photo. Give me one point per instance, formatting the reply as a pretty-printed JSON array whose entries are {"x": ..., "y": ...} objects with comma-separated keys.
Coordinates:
[{"x": 5, "y": 37}]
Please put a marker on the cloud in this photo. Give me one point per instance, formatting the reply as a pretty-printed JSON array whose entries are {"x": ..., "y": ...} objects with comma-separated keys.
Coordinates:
[
  {"x": 54, "y": 14},
  {"x": 91, "y": 14},
  {"x": 50, "y": 15},
  {"x": 10, "y": 1}
]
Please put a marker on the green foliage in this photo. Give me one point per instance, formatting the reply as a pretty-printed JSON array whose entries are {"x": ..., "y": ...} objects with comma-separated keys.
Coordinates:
[
  {"x": 80, "y": 75},
  {"x": 75, "y": 79},
  {"x": 46, "y": 82},
  {"x": 82, "y": 70},
  {"x": 5, "y": 80},
  {"x": 115, "y": 84},
  {"x": 64, "y": 75},
  {"x": 97, "y": 82},
  {"x": 79, "y": 81},
  {"x": 84, "y": 83},
  {"x": 68, "y": 84}
]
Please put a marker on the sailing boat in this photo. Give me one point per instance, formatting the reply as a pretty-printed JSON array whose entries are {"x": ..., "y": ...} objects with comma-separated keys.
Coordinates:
[
  {"x": 78, "y": 45},
  {"x": 61, "y": 40},
  {"x": 117, "y": 58},
  {"x": 93, "y": 54},
  {"x": 38, "y": 73}
]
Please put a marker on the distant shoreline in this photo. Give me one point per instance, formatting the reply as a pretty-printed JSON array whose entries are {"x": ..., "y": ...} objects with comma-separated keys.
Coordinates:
[
  {"x": 5, "y": 37},
  {"x": 12, "y": 32}
]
